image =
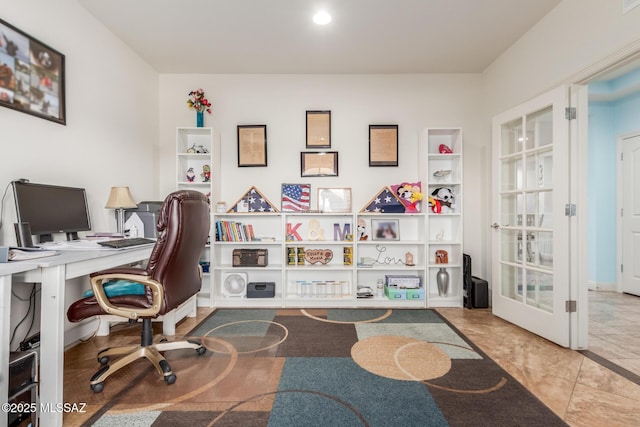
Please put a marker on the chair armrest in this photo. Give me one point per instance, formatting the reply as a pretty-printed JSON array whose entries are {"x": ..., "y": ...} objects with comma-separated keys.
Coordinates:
[{"x": 157, "y": 292}]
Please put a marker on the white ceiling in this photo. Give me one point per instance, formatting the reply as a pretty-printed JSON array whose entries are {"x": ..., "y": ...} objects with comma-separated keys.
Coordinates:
[{"x": 278, "y": 36}]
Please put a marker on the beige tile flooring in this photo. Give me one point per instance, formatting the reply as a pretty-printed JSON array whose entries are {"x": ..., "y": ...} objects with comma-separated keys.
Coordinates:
[
  {"x": 581, "y": 391},
  {"x": 614, "y": 328}
]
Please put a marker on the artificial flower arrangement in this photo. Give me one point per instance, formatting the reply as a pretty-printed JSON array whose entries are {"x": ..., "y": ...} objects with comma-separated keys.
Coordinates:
[{"x": 198, "y": 102}]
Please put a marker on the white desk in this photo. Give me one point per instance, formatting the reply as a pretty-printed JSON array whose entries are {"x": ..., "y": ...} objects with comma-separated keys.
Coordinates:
[{"x": 52, "y": 273}]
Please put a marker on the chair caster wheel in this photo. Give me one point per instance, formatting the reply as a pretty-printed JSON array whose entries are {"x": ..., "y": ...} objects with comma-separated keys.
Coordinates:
[
  {"x": 103, "y": 360},
  {"x": 97, "y": 388},
  {"x": 201, "y": 350},
  {"x": 170, "y": 379}
]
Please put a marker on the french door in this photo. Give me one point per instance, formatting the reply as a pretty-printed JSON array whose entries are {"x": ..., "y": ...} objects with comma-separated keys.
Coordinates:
[{"x": 530, "y": 269}]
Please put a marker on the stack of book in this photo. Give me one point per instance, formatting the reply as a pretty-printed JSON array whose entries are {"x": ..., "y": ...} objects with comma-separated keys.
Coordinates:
[{"x": 231, "y": 231}]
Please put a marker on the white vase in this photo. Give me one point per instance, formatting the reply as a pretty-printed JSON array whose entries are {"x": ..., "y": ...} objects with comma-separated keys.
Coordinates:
[{"x": 442, "y": 279}]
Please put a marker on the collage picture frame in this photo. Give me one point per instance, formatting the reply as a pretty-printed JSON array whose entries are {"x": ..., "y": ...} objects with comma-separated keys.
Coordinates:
[{"x": 32, "y": 75}]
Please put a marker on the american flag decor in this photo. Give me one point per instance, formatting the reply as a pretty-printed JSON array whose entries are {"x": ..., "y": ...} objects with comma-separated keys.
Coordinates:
[
  {"x": 253, "y": 201},
  {"x": 295, "y": 197},
  {"x": 385, "y": 202}
]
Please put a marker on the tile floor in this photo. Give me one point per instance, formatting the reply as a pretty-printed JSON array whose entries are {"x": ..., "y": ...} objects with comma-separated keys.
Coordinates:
[
  {"x": 580, "y": 390},
  {"x": 614, "y": 328}
]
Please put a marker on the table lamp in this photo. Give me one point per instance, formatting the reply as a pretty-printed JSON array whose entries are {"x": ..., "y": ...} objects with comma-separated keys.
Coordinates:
[{"x": 120, "y": 199}]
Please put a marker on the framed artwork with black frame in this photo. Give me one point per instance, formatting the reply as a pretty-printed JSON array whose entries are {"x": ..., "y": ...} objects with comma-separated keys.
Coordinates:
[
  {"x": 385, "y": 229},
  {"x": 319, "y": 163},
  {"x": 252, "y": 145},
  {"x": 383, "y": 145},
  {"x": 31, "y": 75},
  {"x": 318, "y": 129}
]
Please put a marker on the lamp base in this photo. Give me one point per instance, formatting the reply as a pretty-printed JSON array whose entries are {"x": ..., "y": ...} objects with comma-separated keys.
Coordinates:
[{"x": 120, "y": 224}]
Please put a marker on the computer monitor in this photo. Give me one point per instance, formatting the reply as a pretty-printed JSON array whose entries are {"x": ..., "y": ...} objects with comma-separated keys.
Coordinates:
[{"x": 51, "y": 209}]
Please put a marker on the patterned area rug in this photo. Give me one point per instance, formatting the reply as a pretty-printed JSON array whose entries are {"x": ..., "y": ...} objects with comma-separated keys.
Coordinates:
[{"x": 333, "y": 367}]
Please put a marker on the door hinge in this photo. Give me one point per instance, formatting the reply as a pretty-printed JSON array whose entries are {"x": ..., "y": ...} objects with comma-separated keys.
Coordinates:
[
  {"x": 570, "y": 306},
  {"x": 621, "y": 156},
  {"x": 570, "y": 209},
  {"x": 570, "y": 113},
  {"x": 621, "y": 268},
  {"x": 621, "y": 211}
]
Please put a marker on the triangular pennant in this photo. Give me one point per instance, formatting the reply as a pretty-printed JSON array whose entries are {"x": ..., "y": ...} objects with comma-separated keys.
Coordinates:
[
  {"x": 253, "y": 201},
  {"x": 385, "y": 201}
]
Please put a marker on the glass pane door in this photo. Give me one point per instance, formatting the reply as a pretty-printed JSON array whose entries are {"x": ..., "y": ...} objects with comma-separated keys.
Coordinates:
[
  {"x": 526, "y": 171},
  {"x": 531, "y": 176}
]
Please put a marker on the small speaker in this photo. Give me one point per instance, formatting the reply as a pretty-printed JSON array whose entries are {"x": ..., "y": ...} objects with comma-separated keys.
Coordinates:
[
  {"x": 23, "y": 234},
  {"x": 234, "y": 284}
]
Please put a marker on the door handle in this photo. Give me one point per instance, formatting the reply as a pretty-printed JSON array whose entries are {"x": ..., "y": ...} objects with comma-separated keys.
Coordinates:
[{"x": 495, "y": 226}]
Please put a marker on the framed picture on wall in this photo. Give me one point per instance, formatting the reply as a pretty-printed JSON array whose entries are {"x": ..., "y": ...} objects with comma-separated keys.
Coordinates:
[
  {"x": 383, "y": 145},
  {"x": 31, "y": 75},
  {"x": 318, "y": 129},
  {"x": 319, "y": 163},
  {"x": 252, "y": 145}
]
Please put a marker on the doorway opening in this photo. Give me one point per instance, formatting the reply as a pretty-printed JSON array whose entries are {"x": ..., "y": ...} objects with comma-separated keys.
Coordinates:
[{"x": 614, "y": 102}]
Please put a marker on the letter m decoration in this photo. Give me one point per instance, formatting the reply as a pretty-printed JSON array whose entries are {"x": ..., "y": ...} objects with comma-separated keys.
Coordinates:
[{"x": 340, "y": 233}]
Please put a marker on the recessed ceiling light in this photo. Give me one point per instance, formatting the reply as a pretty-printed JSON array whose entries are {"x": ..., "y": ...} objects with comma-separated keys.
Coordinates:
[{"x": 322, "y": 18}]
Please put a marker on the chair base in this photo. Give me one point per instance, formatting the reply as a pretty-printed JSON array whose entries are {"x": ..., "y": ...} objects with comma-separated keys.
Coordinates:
[{"x": 134, "y": 352}]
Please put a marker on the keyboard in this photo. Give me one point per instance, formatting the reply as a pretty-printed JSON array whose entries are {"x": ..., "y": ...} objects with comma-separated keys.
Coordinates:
[{"x": 126, "y": 243}]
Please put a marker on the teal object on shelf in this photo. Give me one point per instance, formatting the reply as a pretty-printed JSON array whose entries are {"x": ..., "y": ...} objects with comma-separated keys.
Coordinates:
[{"x": 199, "y": 119}]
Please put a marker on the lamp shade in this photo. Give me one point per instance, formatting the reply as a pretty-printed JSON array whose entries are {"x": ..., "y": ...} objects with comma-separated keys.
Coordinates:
[{"x": 120, "y": 198}]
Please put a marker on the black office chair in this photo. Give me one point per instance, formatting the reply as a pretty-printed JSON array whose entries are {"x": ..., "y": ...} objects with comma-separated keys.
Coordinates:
[{"x": 172, "y": 276}]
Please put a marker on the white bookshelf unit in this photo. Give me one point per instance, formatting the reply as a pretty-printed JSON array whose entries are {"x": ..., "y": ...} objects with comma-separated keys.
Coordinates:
[
  {"x": 198, "y": 149},
  {"x": 327, "y": 239},
  {"x": 441, "y": 169},
  {"x": 267, "y": 227},
  {"x": 378, "y": 258},
  {"x": 341, "y": 263}
]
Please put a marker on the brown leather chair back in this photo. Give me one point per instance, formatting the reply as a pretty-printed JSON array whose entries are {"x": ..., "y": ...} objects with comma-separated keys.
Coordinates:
[{"x": 183, "y": 227}]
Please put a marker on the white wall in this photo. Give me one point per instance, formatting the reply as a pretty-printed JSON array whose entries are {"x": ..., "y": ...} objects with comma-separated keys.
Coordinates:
[
  {"x": 414, "y": 102},
  {"x": 112, "y": 119},
  {"x": 112, "y": 108},
  {"x": 575, "y": 36}
]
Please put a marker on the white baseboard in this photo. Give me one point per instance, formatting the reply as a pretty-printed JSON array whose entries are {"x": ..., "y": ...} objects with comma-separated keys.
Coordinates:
[
  {"x": 80, "y": 331},
  {"x": 602, "y": 286}
]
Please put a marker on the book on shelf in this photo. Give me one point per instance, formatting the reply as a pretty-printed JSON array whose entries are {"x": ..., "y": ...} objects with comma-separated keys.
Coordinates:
[{"x": 232, "y": 231}]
